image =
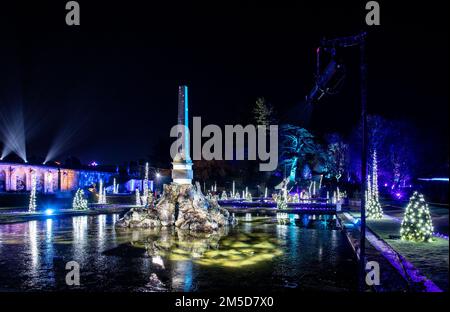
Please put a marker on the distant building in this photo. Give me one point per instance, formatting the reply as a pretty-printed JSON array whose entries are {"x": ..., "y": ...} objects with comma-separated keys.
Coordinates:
[{"x": 15, "y": 177}]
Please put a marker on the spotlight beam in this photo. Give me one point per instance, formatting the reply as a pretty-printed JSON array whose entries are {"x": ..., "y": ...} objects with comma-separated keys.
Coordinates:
[{"x": 12, "y": 132}]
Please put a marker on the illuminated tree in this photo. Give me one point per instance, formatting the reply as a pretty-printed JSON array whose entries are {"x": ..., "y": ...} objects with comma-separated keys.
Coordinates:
[
  {"x": 296, "y": 144},
  {"x": 263, "y": 112},
  {"x": 368, "y": 192},
  {"x": 115, "y": 187},
  {"x": 281, "y": 202},
  {"x": 374, "y": 210},
  {"x": 417, "y": 225},
  {"x": 138, "y": 198},
  {"x": 32, "y": 205},
  {"x": 101, "y": 193},
  {"x": 79, "y": 203},
  {"x": 224, "y": 196},
  {"x": 146, "y": 177}
]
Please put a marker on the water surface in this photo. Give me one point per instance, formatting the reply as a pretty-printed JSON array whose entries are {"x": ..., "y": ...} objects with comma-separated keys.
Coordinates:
[{"x": 257, "y": 254}]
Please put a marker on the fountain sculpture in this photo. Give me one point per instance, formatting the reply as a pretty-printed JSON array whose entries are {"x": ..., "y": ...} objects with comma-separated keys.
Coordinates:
[{"x": 182, "y": 204}]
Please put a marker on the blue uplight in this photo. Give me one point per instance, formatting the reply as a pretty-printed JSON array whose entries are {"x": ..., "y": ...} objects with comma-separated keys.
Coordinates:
[
  {"x": 48, "y": 212},
  {"x": 434, "y": 179}
]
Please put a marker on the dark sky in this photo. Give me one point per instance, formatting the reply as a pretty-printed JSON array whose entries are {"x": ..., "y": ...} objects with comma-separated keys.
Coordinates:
[{"x": 112, "y": 82}]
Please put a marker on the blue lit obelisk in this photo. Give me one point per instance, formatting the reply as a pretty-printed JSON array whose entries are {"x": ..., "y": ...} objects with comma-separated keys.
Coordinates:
[{"x": 182, "y": 163}]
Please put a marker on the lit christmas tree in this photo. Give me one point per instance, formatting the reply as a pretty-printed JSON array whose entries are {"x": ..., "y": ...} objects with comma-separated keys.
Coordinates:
[
  {"x": 416, "y": 224},
  {"x": 368, "y": 192},
  {"x": 224, "y": 196},
  {"x": 281, "y": 202},
  {"x": 115, "y": 187},
  {"x": 374, "y": 210},
  {"x": 375, "y": 194},
  {"x": 32, "y": 205},
  {"x": 138, "y": 198},
  {"x": 79, "y": 203},
  {"x": 101, "y": 194},
  {"x": 248, "y": 197},
  {"x": 145, "y": 195},
  {"x": 104, "y": 195}
]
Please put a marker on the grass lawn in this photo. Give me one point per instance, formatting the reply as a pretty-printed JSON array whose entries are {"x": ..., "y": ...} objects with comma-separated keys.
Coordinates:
[{"x": 430, "y": 258}]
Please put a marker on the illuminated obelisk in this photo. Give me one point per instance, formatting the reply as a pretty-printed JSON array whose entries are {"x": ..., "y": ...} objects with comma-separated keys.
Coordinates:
[{"x": 182, "y": 163}]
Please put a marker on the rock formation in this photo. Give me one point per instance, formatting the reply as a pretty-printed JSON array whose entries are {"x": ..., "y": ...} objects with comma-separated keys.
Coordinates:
[{"x": 183, "y": 206}]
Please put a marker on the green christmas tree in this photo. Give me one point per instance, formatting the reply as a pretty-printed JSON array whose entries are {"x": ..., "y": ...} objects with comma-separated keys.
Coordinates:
[
  {"x": 416, "y": 224},
  {"x": 374, "y": 210},
  {"x": 79, "y": 203}
]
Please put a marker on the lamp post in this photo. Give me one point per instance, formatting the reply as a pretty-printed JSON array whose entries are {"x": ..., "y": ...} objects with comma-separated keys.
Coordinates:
[
  {"x": 321, "y": 87},
  {"x": 362, "y": 244}
]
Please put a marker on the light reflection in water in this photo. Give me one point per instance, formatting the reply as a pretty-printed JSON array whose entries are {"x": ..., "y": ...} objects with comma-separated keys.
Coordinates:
[
  {"x": 101, "y": 223},
  {"x": 49, "y": 248},
  {"x": 247, "y": 227},
  {"x": 114, "y": 219},
  {"x": 182, "y": 276},
  {"x": 79, "y": 236},
  {"x": 217, "y": 249},
  {"x": 33, "y": 244},
  {"x": 282, "y": 230},
  {"x": 272, "y": 254},
  {"x": 49, "y": 233}
]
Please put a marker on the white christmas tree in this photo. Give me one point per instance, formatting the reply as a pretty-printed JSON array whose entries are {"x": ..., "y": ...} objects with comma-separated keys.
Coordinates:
[
  {"x": 32, "y": 205},
  {"x": 224, "y": 196},
  {"x": 138, "y": 198},
  {"x": 101, "y": 194},
  {"x": 145, "y": 192},
  {"x": 115, "y": 187},
  {"x": 104, "y": 196},
  {"x": 100, "y": 191},
  {"x": 374, "y": 210},
  {"x": 368, "y": 192},
  {"x": 417, "y": 225},
  {"x": 79, "y": 203},
  {"x": 248, "y": 197}
]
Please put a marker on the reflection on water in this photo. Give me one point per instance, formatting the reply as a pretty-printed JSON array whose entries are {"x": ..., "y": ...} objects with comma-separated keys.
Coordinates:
[
  {"x": 302, "y": 253},
  {"x": 217, "y": 249},
  {"x": 32, "y": 242}
]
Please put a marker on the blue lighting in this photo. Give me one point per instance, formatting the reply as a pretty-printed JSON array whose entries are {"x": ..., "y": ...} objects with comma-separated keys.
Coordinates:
[
  {"x": 48, "y": 212},
  {"x": 434, "y": 179}
]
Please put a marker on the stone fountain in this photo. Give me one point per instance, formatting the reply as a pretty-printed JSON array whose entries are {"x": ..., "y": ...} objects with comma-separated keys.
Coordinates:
[{"x": 182, "y": 204}]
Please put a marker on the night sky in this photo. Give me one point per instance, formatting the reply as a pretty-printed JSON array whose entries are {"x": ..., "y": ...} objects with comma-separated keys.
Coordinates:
[{"x": 111, "y": 83}]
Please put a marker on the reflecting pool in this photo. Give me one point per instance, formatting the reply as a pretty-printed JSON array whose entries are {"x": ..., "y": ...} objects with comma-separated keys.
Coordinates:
[{"x": 259, "y": 253}]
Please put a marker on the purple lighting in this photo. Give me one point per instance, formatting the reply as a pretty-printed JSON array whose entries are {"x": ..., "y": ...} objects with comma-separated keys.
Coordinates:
[{"x": 93, "y": 164}]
